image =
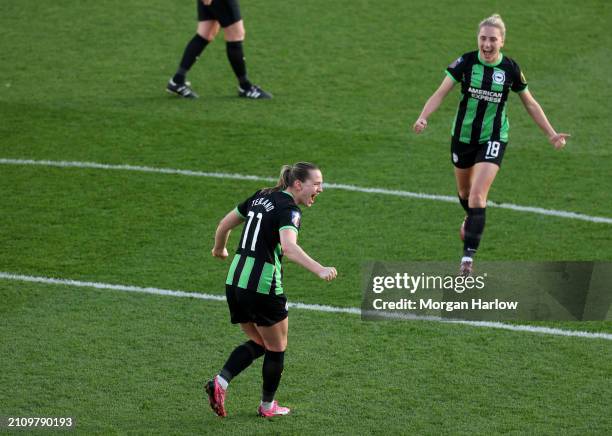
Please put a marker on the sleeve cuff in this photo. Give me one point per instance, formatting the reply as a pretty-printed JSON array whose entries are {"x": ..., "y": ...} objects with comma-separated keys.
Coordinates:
[
  {"x": 239, "y": 214},
  {"x": 451, "y": 76},
  {"x": 289, "y": 228}
]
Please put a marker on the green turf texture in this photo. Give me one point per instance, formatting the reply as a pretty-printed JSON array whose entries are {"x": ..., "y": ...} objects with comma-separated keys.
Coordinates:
[
  {"x": 84, "y": 81},
  {"x": 134, "y": 363}
]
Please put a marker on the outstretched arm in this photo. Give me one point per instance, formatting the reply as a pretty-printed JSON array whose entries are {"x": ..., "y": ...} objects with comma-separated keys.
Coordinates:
[
  {"x": 535, "y": 111},
  {"x": 433, "y": 103},
  {"x": 288, "y": 240},
  {"x": 224, "y": 228}
]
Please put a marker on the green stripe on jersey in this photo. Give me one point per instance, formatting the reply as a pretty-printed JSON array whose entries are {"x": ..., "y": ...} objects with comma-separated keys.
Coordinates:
[
  {"x": 477, "y": 74},
  {"x": 498, "y": 87},
  {"x": 487, "y": 123},
  {"x": 243, "y": 282},
  {"x": 503, "y": 135},
  {"x": 489, "y": 116},
  {"x": 277, "y": 270},
  {"x": 265, "y": 281},
  {"x": 288, "y": 227},
  {"x": 232, "y": 270}
]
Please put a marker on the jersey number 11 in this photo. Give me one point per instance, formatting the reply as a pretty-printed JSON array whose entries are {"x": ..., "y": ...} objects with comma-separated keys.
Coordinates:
[{"x": 259, "y": 216}]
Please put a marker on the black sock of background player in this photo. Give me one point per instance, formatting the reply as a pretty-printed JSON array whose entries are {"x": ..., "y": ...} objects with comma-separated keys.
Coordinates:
[
  {"x": 240, "y": 359},
  {"x": 272, "y": 370},
  {"x": 474, "y": 227},
  {"x": 194, "y": 48},
  {"x": 464, "y": 204},
  {"x": 235, "y": 55}
]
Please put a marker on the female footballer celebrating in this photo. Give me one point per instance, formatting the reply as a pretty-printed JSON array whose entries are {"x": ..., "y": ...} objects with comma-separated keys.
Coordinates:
[
  {"x": 480, "y": 130},
  {"x": 254, "y": 288}
]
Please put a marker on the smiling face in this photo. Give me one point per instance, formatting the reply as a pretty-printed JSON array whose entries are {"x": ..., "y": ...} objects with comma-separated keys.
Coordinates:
[
  {"x": 490, "y": 42},
  {"x": 305, "y": 192}
]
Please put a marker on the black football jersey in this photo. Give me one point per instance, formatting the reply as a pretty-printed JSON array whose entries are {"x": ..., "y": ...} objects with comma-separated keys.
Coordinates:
[
  {"x": 257, "y": 265},
  {"x": 481, "y": 116}
]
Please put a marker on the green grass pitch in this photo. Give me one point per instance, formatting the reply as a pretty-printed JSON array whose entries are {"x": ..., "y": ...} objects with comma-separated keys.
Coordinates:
[{"x": 84, "y": 81}]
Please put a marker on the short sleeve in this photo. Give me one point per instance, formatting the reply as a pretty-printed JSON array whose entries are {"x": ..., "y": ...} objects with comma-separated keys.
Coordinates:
[
  {"x": 519, "y": 82},
  {"x": 290, "y": 218},
  {"x": 456, "y": 69},
  {"x": 240, "y": 210}
]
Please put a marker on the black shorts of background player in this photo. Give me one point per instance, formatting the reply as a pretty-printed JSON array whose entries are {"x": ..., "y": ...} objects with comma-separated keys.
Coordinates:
[
  {"x": 480, "y": 130},
  {"x": 254, "y": 283},
  {"x": 213, "y": 14}
]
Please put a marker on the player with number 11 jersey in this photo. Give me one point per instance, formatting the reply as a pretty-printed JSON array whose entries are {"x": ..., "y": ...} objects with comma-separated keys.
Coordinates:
[
  {"x": 254, "y": 284},
  {"x": 257, "y": 263}
]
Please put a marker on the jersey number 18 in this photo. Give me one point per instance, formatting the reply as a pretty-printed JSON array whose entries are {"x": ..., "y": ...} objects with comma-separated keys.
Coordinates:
[{"x": 492, "y": 149}]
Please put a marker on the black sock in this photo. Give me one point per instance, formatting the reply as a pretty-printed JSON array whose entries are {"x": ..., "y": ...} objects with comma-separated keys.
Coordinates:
[
  {"x": 272, "y": 370},
  {"x": 464, "y": 204},
  {"x": 194, "y": 48},
  {"x": 235, "y": 55},
  {"x": 474, "y": 227},
  {"x": 240, "y": 359}
]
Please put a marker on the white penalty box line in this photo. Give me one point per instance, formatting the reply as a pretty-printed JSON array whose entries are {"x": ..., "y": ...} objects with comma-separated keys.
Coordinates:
[
  {"x": 302, "y": 306},
  {"x": 353, "y": 188}
]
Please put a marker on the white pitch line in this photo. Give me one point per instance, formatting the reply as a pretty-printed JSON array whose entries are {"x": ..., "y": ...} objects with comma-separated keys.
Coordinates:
[
  {"x": 234, "y": 176},
  {"x": 313, "y": 307}
]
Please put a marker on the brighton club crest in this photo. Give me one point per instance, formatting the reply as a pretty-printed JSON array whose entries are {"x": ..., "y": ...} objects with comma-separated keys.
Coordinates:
[{"x": 499, "y": 77}]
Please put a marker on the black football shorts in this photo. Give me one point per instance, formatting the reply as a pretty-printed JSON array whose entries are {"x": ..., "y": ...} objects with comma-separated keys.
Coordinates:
[
  {"x": 226, "y": 12},
  {"x": 251, "y": 306},
  {"x": 466, "y": 155}
]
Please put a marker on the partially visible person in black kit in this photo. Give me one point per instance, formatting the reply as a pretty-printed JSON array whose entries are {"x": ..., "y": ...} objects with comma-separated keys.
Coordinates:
[
  {"x": 254, "y": 284},
  {"x": 213, "y": 14}
]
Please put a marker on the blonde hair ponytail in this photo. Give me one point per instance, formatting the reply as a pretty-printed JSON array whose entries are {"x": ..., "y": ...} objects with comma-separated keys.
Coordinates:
[{"x": 494, "y": 20}]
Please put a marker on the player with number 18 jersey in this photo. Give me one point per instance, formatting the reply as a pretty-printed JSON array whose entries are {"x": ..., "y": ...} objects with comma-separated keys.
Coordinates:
[{"x": 480, "y": 129}]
